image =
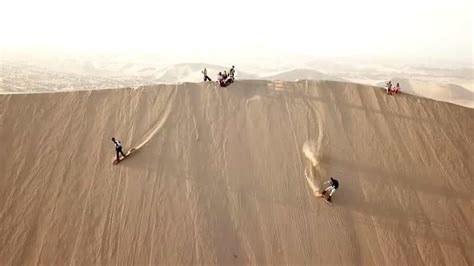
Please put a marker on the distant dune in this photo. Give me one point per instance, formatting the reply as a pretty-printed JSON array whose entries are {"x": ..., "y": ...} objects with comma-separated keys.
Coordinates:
[
  {"x": 442, "y": 92},
  {"x": 300, "y": 74},
  {"x": 219, "y": 176},
  {"x": 450, "y": 85}
]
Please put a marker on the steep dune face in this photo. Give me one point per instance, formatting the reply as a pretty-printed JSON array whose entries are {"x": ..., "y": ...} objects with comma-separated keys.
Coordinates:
[{"x": 219, "y": 176}]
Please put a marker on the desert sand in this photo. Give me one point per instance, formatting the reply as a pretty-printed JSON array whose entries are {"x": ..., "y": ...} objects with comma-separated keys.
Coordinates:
[{"x": 219, "y": 176}]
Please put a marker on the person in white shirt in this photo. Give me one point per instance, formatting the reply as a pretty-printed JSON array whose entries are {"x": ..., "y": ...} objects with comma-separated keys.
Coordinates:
[
  {"x": 333, "y": 185},
  {"x": 220, "y": 79}
]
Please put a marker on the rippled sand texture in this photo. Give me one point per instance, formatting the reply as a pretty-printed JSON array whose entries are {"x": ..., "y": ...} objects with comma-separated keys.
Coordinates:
[{"x": 219, "y": 176}]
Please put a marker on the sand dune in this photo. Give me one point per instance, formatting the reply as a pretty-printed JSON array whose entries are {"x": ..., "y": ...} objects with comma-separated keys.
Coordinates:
[
  {"x": 299, "y": 74},
  {"x": 219, "y": 176}
]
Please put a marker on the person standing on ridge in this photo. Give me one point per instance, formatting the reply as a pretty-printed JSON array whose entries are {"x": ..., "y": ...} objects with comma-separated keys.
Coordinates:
[
  {"x": 206, "y": 77},
  {"x": 333, "y": 185},
  {"x": 232, "y": 72},
  {"x": 118, "y": 149}
]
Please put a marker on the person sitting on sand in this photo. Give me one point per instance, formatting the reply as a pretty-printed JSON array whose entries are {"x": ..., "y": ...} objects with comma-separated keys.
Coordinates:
[
  {"x": 397, "y": 88},
  {"x": 389, "y": 87},
  {"x": 220, "y": 79},
  {"x": 118, "y": 149},
  {"x": 206, "y": 77},
  {"x": 225, "y": 75},
  {"x": 333, "y": 185}
]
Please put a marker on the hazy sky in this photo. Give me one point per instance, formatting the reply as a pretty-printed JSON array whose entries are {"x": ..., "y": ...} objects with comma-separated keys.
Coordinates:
[{"x": 405, "y": 28}]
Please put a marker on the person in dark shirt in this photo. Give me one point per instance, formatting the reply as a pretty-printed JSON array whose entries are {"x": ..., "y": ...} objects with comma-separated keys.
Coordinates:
[
  {"x": 232, "y": 72},
  {"x": 388, "y": 87},
  {"x": 333, "y": 185},
  {"x": 118, "y": 148}
]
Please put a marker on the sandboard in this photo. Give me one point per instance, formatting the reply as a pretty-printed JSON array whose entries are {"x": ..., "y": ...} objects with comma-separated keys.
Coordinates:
[
  {"x": 132, "y": 150},
  {"x": 315, "y": 189},
  {"x": 328, "y": 202},
  {"x": 319, "y": 195}
]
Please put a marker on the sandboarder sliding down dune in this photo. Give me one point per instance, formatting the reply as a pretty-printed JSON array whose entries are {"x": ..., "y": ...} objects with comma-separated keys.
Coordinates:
[
  {"x": 118, "y": 149},
  {"x": 333, "y": 185}
]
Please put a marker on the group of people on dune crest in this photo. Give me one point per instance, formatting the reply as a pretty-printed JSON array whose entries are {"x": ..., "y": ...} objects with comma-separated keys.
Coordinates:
[
  {"x": 224, "y": 79},
  {"x": 392, "y": 90}
]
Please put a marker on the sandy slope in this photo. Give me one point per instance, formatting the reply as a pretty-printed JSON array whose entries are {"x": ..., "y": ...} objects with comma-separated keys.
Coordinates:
[{"x": 220, "y": 177}]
